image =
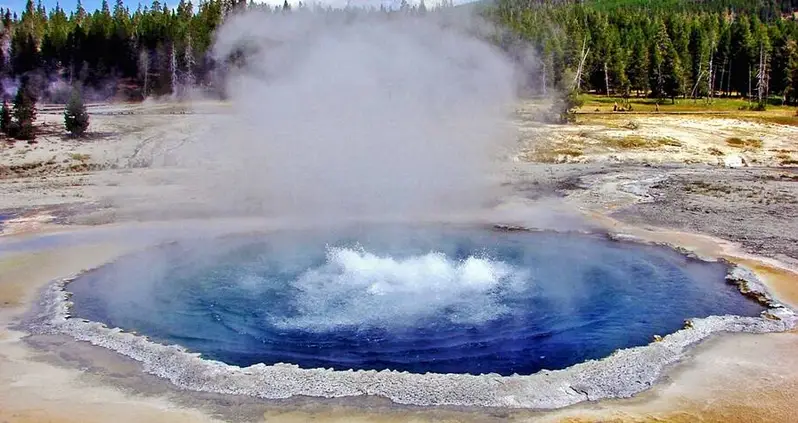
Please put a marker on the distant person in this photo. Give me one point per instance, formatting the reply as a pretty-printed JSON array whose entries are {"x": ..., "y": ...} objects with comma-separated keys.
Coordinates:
[{"x": 615, "y": 106}]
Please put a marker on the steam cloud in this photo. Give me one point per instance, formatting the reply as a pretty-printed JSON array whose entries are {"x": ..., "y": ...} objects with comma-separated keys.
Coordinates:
[{"x": 337, "y": 115}]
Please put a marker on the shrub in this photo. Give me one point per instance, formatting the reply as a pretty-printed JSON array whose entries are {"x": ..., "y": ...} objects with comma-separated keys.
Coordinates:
[
  {"x": 564, "y": 107},
  {"x": 76, "y": 119},
  {"x": 24, "y": 113},
  {"x": 5, "y": 118}
]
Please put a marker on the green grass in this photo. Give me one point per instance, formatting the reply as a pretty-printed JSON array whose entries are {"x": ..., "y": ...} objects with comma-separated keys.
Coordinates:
[
  {"x": 568, "y": 151},
  {"x": 642, "y": 104},
  {"x": 732, "y": 107},
  {"x": 80, "y": 157},
  {"x": 715, "y": 152},
  {"x": 631, "y": 142},
  {"x": 786, "y": 158},
  {"x": 777, "y": 119},
  {"x": 741, "y": 143}
]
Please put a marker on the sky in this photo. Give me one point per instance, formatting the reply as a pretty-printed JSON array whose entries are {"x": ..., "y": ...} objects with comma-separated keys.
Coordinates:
[{"x": 90, "y": 5}]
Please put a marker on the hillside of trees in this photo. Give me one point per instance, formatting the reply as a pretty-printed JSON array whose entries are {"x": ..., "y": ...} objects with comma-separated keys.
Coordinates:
[
  {"x": 116, "y": 52},
  {"x": 112, "y": 52},
  {"x": 766, "y": 9},
  {"x": 698, "y": 48},
  {"x": 697, "y": 51}
]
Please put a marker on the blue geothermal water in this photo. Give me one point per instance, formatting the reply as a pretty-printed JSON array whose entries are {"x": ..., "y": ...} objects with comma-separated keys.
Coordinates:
[{"x": 443, "y": 300}]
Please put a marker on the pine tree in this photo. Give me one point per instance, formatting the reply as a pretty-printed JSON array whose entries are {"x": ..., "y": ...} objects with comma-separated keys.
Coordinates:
[
  {"x": 565, "y": 105},
  {"x": 80, "y": 14},
  {"x": 680, "y": 41},
  {"x": 667, "y": 79},
  {"x": 673, "y": 82},
  {"x": 25, "y": 55},
  {"x": 656, "y": 80},
  {"x": 5, "y": 118},
  {"x": 718, "y": 49},
  {"x": 24, "y": 112},
  {"x": 723, "y": 56},
  {"x": 637, "y": 68},
  {"x": 791, "y": 74},
  {"x": 699, "y": 57},
  {"x": 745, "y": 55},
  {"x": 76, "y": 119}
]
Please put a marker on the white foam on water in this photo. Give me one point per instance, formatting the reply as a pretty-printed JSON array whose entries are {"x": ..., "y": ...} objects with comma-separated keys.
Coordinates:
[{"x": 356, "y": 288}]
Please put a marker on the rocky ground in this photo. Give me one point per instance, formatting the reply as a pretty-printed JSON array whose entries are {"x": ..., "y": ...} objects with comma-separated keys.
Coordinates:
[
  {"x": 122, "y": 171},
  {"x": 747, "y": 193},
  {"x": 724, "y": 139},
  {"x": 755, "y": 207},
  {"x": 734, "y": 177}
]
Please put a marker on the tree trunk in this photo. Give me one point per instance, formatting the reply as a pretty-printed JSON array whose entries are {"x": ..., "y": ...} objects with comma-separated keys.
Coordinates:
[
  {"x": 543, "y": 68},
  {"x": 144, "y": 65},
  {"x": 723, "y": 75},
  {"x": 189, "y": 59},
  {"x": 760, "y": 84},
  {"x": 728, "y": 80},
  {"x": 606, "y": 79},
  {"x": 173, "y": 71},
  {"x": 584, "y": 53},
  {"x": 711, "y": 75}
]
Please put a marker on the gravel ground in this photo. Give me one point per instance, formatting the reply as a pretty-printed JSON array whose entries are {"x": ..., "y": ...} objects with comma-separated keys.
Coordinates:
[{"x": 756, "y": 207}]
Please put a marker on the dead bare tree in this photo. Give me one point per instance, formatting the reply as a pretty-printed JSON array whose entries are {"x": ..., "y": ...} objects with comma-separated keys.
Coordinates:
[
  {"x": 173, "y": 70},
  {"x": 188, "y": 58},
  {"x": 761, "y": 76},
  {"x": 144, "y": 68},
  {"x": 583, "y": 56},
  {"x": 711, "y": 75}
]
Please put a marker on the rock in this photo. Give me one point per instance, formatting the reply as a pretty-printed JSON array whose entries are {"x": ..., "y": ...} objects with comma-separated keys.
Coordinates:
[{"x": 733, "y": 161}]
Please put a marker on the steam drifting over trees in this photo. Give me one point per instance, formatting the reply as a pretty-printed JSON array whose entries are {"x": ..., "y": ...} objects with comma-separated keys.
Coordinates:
[{"x": 667, "y": 49}]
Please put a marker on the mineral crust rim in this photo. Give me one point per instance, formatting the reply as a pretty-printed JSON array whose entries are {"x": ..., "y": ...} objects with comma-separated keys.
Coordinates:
[{"x": 624, "y": 373}]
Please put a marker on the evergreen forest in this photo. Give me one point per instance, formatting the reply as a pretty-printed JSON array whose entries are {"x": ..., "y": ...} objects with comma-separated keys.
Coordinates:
[{"x": 663, "y": 49}]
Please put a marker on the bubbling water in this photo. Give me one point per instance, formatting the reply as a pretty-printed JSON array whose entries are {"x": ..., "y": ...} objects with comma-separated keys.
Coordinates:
[
  {"x": 358, "y": 288},
  {"x": 420, "y": 299}
]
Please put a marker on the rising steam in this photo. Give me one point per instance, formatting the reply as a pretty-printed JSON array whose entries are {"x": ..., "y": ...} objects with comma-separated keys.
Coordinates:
[{"x": 341, "y": 115}]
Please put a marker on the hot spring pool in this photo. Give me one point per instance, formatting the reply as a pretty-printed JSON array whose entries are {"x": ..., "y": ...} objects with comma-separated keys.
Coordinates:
[{"x": 441, "y": 300}]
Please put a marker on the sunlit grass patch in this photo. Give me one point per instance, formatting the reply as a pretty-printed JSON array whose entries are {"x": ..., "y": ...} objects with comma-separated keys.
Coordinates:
[
  {"x": 568, "y": 151},
  {"x": 80, "y": 157},
  {"x": 715, "y": 152},
  {"x": 649, "y": 105},
  {"x": 631, "y": 142},
  {"x": 744, "y": 143}
]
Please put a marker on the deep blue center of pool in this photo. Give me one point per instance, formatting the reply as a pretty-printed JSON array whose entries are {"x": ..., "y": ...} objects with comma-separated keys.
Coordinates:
[{"x": 442, "y": 300}]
